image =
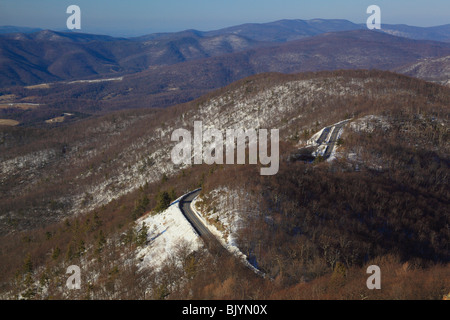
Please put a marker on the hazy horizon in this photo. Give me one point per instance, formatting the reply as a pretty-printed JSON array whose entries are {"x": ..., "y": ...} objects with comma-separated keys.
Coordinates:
[
  {"x": 121, "y": 19},
  {"x": 126, "y": 34}
]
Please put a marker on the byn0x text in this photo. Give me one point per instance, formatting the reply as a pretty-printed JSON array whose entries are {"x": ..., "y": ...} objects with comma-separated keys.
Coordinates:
[
  {"x": 213, "y": 152},
  {"x": 231, "y": 310}
]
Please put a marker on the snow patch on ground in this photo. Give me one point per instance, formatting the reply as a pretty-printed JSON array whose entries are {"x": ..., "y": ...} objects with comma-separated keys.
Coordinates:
[
  {"x": 229, "y": 219},
  {"x": 370, "y": 123},
  {"x": 167, "y": 232},
  {"x": 320, "y": 151},
  {"x": 30, "y": 161},
  {"x": 225, "y": 212},
  {"x": 313, "y": 140},
  {"x": 96, "y": 80}
]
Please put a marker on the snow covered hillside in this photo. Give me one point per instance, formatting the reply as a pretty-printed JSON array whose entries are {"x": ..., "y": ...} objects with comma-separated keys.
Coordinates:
[{"x": 168, "y": 232}]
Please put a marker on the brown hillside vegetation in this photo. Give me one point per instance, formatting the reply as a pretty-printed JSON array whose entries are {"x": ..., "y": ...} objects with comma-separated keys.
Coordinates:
[
  {"x": 400, "y": 281},
  {"x": 312, "y": 229}
]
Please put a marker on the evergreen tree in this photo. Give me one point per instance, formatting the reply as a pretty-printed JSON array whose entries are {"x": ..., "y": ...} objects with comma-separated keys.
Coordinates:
[
  {"x": 70, "y": 252},
  {"x": 163, "y": 201},
  {"x": 56, "y": 252},
  {"x": 44, "y": 280},
  {"x": 81, "y": 248},
  {"x": 142, "y": 235},
  {"x": 140, "y": 206},
  {"x": 28, "y": 283},
  {"x": 129, "y": 236},
  {"x": 97, "y": 222},
  {"x": 100, "y": 242},
  {"x": 172, "y": 195},
  {"x": 28, "y": 264},
  {"x": 30, "y": 289}
]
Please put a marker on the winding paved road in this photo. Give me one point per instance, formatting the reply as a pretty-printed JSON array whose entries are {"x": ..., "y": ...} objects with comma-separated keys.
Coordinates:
[
  {"x": 210, "y": 240},
  {"x": 333, "y": 140}
]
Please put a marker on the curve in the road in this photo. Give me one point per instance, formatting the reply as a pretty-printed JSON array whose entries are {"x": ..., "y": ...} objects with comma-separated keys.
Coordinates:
[{"x": 210, "y": 240}]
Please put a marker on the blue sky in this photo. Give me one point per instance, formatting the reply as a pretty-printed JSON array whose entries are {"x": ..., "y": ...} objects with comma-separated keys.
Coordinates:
[{"x": 136, "y": 17}]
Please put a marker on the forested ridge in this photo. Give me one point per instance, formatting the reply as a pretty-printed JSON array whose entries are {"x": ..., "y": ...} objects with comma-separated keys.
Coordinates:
[{"x": 313, "y": 228}]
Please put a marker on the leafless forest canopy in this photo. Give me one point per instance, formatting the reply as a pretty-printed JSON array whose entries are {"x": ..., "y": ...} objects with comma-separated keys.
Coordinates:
[{"x": 313, "y": 228}]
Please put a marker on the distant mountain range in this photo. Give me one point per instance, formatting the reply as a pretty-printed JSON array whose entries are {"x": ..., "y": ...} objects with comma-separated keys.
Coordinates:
[
  {"x": 30, "y": 57},
  {"x": 49, "y": 56},
  {"x": 161, "y": 70},
  {"x": 287, "y": 30},
  {"x": 359, "y": 49}
]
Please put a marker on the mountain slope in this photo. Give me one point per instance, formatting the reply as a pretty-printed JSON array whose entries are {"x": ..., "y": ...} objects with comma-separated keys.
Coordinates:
[
  {"x": 127, "y": 149},
  {"x": 162, "y": 86},
  {"x": 28, "y": 57},
  {"x": 438, "y": 33},
  {"x": 49, "y": 56},
  {"x": 67, "y": 193},
  {"x": 431, "y": 69},
  {"x": 288, "y": 30},
  {"x": 70, "y": 195}
]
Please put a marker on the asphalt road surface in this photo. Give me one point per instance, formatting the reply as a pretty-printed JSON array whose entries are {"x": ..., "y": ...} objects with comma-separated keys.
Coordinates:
[
  {"x": 333, "y": 139},
  {"x": 210, "y": 240},
  {"x": 324, "y": 135}
]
